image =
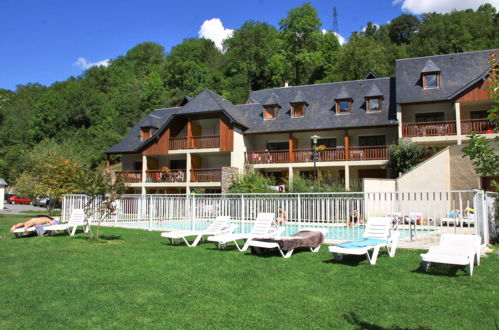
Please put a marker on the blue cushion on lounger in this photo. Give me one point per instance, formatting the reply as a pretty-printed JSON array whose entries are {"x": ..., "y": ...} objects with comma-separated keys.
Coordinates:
[{"x": 363, "y": 242}]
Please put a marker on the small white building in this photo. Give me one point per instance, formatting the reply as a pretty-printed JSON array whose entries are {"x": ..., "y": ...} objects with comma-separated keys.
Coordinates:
[{"x": 3, "y": 184}]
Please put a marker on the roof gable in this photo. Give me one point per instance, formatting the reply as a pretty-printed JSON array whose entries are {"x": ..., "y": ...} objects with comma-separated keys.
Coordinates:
[{"x": 430, "y": 67}]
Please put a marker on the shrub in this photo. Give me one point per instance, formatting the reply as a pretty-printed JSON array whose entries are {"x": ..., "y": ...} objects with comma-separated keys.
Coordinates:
[{"x": 404, "y": 156}]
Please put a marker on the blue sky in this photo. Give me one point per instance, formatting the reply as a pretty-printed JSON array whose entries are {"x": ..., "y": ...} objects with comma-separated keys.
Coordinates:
[{"x": 42, "y": 39}]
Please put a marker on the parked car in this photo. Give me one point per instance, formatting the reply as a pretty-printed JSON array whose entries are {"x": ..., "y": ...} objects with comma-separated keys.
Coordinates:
[
  {"x": 19, "y": 200},
  {"x": 41, "y": 201},
  {"x": 7, "y": 196}
]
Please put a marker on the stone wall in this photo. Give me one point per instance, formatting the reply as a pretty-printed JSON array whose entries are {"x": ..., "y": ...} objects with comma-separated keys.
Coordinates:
[{"x": 229, "y": 174}]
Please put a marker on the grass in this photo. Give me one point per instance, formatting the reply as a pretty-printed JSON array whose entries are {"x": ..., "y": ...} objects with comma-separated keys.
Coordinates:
[
  {"x": 42, "y": 211},
  {"x": 133, "y": 279}
]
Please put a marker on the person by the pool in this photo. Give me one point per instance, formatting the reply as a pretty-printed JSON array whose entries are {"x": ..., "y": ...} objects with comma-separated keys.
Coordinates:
[
  {"x": 36, "y": 221},
  {"x": 282, "y": 216}
]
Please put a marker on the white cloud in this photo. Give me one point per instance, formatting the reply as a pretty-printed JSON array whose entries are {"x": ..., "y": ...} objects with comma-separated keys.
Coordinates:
[
  {"x": 214, "y": 30},
  {"x": 341, "y": 40},
  {"x": 82, "y": 63},
  {"x": 441, "y": 6}
]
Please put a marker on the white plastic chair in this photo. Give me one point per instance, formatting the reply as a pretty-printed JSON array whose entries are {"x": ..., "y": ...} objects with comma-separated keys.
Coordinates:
[
  {"x": 263, "y": 227},
  {"x": 76, "y": 219},
  {"x": 219, "y": 226},
  {"x": 454, "y": 249},
  {"x": 376, "y": 235}
]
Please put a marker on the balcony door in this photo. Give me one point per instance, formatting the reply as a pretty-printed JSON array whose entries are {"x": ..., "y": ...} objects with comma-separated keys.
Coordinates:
[
  {"x": 277, "y": 146},
  {"x": 429, "y": 117},
  {"x": 372, "y": 140}
]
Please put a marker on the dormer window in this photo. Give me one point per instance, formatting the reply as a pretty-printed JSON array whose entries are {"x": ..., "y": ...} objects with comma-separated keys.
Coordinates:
[
  {"x": 373, "y": 104},
  {"x": 343, "y": 106},
  {"x": 297, "y": 109},
  {"x": 270, "y": 111},
  {"x": 145, "y": 133},
  {"x": 431, "y": 80}
]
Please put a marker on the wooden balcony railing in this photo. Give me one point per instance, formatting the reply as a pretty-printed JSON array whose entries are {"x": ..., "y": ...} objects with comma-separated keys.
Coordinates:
[
  {"x": 434, "y": 128},
  {"x": 369, "y": 153},
  {"x": 195, "y": 142},
  {"x": 172, "y": 176},
  {"x": 207, "y": 141},
  {"x": 206, "y": 175},
  {"x": 328, "y": 155},
  {"x": 477, "y": 125},
  {"x": 130, "y": 176},
  {"x": 177, "y": 143}
]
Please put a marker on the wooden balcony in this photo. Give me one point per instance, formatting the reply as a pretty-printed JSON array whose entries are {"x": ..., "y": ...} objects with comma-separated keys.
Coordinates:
[
  {"x": 479, "y": 126},
  {"x": 434, "y": 128},
  {"x": 195, "y": 142},
  {"x": 130, "y": 176},
  {"x": 328, "y": 155},
  {"x": 172, "y": 177},
  {"x": 206, "y": 175}
]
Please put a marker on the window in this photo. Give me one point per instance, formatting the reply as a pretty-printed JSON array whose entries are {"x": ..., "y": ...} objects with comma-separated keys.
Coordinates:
[
  {"x": 145, "y": 133},
  {"x": 343, "y": 106},
  {"x": 178, "y": 164},
  {"x": 328, "y": 142},
  {"x": 277, "y": 145},
  {"x": 431, "y": 80},
  {"x": 373, "y": 104},
  {"x": 269, "y": 112},
  {"x": 137, "y": 166},
  {"x": 297, "y": 109},
  {"x": 480, "y": 114},
  {"x": 431, "y": 116},
  {"x": 374, "y": 140}
]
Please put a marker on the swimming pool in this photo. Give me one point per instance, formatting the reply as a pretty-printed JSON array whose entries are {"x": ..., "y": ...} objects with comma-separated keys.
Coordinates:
[{"x": 333, "y": 232}]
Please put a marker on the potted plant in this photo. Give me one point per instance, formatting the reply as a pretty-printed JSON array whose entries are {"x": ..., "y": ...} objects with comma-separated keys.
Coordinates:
[{"x": 322, "y": 147}]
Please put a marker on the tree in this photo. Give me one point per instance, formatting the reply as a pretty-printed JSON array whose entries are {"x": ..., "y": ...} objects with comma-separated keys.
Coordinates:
[
  {"x": 404, "y": 156},
  {"x": 103, "y": 190},
  {"x": 301, "y": 35},
  {"x": 403, "y": 28},
  {"x": 252, "y": 182}
]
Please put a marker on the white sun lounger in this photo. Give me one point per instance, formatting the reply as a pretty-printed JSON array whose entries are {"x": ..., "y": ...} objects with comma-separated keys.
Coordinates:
[
  {"x": 219, "y": 226},
  {"x": 454, "y": 249},
  {"x": 275, "y": 245},
  {"x": 76, "y": 219},
  {"x": 20, "y": 231},
  {"x": 376, "y": 235},
  {"x": 263, "y": 227}
]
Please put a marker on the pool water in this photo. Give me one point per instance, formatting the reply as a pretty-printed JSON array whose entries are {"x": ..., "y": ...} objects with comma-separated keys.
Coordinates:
[{"x": 333, "y": 232}]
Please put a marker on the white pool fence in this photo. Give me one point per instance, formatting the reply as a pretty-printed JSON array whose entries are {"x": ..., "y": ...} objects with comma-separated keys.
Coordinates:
[{"x": 420, "y": 216}]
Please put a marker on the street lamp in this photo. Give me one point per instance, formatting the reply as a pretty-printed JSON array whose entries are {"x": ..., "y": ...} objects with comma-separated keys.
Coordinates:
[{"x": 314, "y": 139}]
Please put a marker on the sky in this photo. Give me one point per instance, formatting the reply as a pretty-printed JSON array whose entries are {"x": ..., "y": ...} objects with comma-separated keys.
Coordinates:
[{"x": 50, "y": 40}]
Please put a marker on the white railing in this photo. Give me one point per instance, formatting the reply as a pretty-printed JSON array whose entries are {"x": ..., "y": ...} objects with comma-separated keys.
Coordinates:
[{"x": 420, "y": 216}]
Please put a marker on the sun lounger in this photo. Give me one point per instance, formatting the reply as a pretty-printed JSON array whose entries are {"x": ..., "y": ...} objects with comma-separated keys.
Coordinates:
[
  {"x": 310, "y": 238},
  {"x": 454, "y": 249},
  {"x": 376, "y": 235},
  {"x": 219, "y": 226},
  {"x": 76, "y": 219},
  {"x": 263, "y": 227},
  {"x": 40, "y": 230}
]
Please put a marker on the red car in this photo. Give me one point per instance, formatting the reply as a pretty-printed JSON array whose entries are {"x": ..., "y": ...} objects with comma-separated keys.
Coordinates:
[{"x": 19, "y": 200}]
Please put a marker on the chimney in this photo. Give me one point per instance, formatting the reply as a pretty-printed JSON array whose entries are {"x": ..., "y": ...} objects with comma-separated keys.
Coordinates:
[{"x": 286, "y": 83}]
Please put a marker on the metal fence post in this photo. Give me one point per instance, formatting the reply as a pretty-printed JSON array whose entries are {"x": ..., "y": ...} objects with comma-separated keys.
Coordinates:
[
  {"x": 299, "y": 212},
  {"x": 150, "y": 212},
  {"x": 242, "y": 214}
]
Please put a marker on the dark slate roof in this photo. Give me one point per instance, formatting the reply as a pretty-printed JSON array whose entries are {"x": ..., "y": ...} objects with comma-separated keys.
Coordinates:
[
  {"x": 430, "y": 67},
  {"x": 152, "y": 121},
  {"x": 343, "y": 94},
  {"x": 2, "y": 182},
  {"x": 374, "y": 91},
  {"x": 458, "y": 72},
  {"x": 298, "y": 98},
  {"x": 321, "y": 113},
  {"x": 131, "y": 142},
  {"x": 370, "y": 75},
  {"x": 270, "y": 99},
  {"x": 208, "y": 102}
]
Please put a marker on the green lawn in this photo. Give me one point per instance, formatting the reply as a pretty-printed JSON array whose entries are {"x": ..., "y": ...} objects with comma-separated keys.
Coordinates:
[{"x": 135, "y": 280}]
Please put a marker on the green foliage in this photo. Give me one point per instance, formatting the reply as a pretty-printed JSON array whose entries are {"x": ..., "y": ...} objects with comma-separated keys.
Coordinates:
[
  {"x": 326, "y": 183},
  {"x": 252, "y": 182},
  {"x": 404, "y": 156},
  {"x": 403, "y": 28}
]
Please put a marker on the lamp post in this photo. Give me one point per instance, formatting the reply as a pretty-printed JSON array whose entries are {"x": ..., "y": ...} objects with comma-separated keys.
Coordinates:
[{"x": 314, "y": 139}]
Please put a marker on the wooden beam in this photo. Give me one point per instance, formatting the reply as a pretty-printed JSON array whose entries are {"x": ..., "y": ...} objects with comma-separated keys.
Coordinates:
[{"x": 347, "y": 146}]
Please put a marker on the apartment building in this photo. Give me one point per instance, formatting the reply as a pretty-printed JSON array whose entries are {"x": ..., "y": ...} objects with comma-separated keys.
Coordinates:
[{"x": 207, "y": 140}]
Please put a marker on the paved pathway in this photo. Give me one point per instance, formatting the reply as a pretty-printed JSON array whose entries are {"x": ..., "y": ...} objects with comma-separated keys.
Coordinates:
[{"x": 18, "y": 208}]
